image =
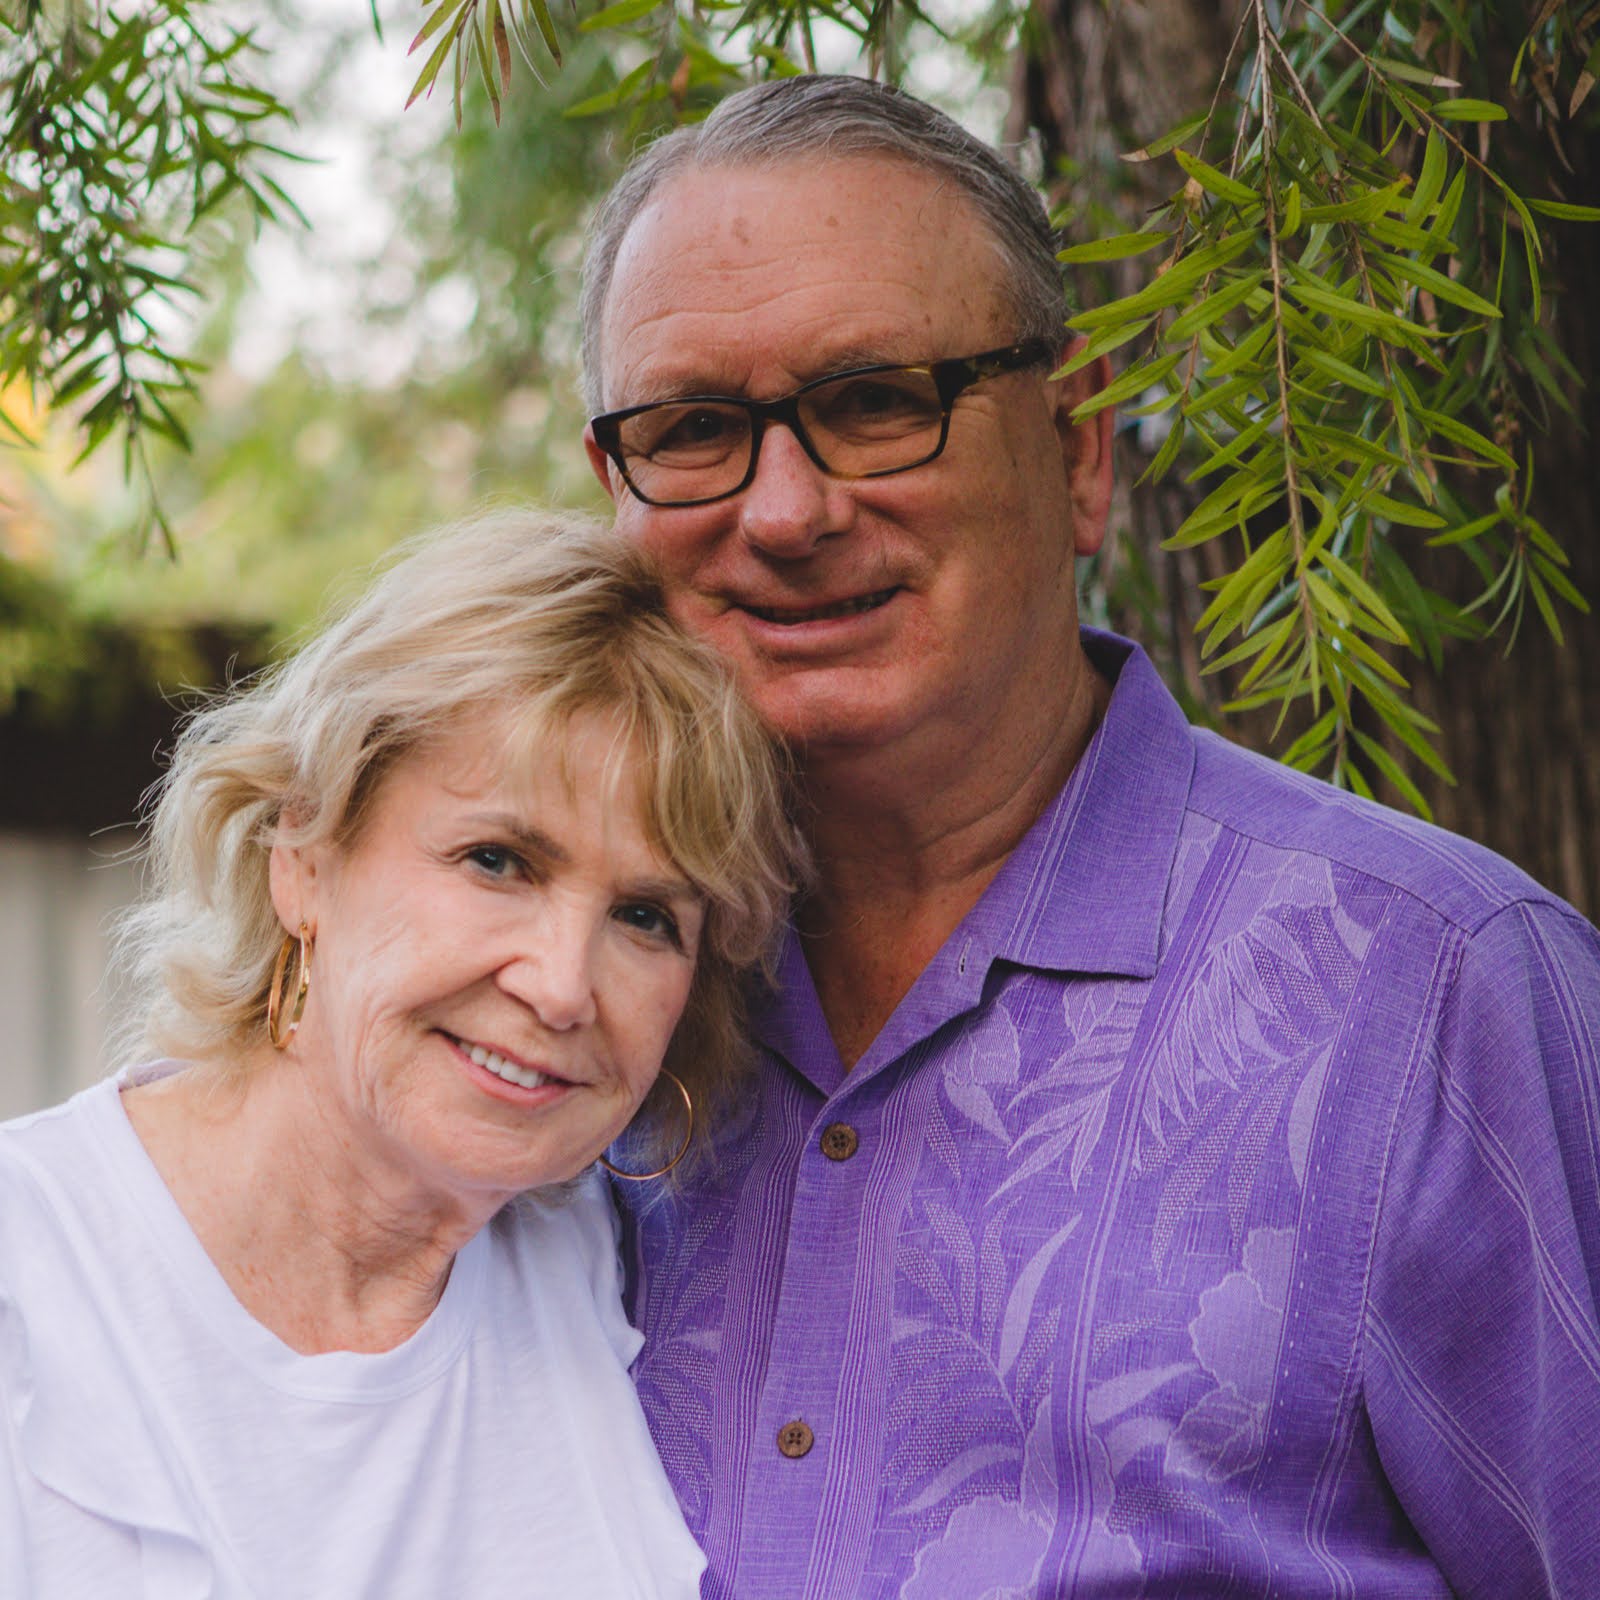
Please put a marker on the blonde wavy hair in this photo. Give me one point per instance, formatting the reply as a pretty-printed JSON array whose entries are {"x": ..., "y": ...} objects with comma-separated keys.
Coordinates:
[{"x": 549, "y": 615}]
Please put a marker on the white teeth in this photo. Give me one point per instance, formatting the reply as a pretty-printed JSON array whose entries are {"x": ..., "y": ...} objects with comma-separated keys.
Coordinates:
[{"x": 496, "y": 1063}]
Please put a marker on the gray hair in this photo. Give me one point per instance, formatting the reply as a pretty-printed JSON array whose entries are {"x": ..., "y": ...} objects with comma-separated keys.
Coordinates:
[{"x": 788, "y": 119}]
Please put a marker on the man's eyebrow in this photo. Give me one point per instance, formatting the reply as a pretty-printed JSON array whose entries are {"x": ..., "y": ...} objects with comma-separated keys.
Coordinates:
[{"x": 844, "y": 359}]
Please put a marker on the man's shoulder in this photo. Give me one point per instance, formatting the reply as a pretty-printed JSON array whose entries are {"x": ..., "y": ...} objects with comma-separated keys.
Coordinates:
[{"x": 1261, "y": 800}]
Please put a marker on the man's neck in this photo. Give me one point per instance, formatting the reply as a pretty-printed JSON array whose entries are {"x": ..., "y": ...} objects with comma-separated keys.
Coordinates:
[{"x": 907, "y": 840}]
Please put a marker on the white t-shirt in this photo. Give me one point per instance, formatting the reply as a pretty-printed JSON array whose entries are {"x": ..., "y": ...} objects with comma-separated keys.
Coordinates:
[{"x": 157, "y": 1441}]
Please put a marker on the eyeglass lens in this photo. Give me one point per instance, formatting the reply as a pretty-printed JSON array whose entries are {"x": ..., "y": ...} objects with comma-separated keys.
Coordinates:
[{"x": 857, "y": 426}]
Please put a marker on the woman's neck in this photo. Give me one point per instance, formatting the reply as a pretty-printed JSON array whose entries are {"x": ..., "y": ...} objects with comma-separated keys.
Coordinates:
[{"x": 326, "y": 1250}]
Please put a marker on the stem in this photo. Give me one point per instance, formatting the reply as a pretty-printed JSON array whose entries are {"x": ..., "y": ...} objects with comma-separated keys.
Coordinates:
[{"x": 1291, "y": 476}]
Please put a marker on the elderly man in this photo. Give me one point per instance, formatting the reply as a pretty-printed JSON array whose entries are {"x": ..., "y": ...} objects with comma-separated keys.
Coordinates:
[{"x": 1167, "y": 1175}]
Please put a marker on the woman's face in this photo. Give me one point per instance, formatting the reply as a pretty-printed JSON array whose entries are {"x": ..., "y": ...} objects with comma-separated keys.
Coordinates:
[{"x": 498, "y": 965}]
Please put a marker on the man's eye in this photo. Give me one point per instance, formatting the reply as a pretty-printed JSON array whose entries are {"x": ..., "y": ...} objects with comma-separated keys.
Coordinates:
[
  {"x": 652, "y": 920},
  {"x": 695, "y": 431},
  {"x": 875, "y": 403}
]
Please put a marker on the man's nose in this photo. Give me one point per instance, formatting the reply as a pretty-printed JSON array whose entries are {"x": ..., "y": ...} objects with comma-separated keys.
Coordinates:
[
  {"x": 553, "y": 975},
  {"x": 791, "y": 504}
]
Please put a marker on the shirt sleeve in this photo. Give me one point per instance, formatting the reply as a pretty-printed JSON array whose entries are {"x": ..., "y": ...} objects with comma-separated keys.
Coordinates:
[{"x": 1482, "y": 1339}]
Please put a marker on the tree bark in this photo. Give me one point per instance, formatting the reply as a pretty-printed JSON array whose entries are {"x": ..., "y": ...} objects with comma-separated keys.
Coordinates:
[{"x": 1098, "y": 80}]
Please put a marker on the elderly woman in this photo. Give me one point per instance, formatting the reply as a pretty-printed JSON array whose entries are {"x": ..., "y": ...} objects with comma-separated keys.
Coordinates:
[{"x": 309, "y": 1306}]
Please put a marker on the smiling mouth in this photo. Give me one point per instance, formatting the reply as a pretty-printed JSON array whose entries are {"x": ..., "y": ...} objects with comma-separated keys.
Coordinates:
[
  {"x": 789, "y": 617},
  {"x": 507, "y": 1071}
]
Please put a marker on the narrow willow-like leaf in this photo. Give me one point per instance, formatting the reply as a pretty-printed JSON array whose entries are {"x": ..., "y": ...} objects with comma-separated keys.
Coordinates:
[
  {"x": 1430, "y": 181},
  {"x": 1402, "y": 514},
  {"x": 1139, "y": 377},
  {"x": 1341, "y": 371},
  {"x": 1269, "y": 559},
  {"x": 1105, "y": 341},
  {"x": 1564, "y": 211},
  {"x": 1458, "y": 432},
  {"x": 1541, "y": 598},
  {"x": 1438, "y": 285},
  {"x": 1170, "y": 140},
  {"x": 1469, "y": 110},
  {"x": 1215, "y": 182},
  {"x": 1117, "y": 247},
  {"x": 618, "y": 15},
  {"x": 1213, "y": 308},
  {"x": 1230, "y": 452},
  {"x": 1392, "y": 770}
]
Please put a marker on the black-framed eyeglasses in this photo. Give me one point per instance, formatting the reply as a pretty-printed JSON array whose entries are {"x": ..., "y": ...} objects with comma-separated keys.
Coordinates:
[{"x": 869, "y": 422}]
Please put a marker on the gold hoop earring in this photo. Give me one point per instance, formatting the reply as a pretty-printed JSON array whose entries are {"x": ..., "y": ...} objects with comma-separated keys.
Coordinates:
[
  {"x": 683, "y": 1149},
  {"x": 299, "y": 946}
]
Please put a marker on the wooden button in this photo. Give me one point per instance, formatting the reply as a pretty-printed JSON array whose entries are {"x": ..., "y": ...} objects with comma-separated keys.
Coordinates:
[
  {"x": 840, "y": 1141},
  {"x": 795, "y": 1439}
]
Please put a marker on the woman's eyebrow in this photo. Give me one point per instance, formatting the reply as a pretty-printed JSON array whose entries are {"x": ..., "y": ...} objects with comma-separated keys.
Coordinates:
[{"x": 519, "y": 833}]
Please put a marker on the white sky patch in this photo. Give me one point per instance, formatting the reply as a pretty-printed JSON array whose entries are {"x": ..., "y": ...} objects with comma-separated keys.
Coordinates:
[{"x": 344, "y": 294}]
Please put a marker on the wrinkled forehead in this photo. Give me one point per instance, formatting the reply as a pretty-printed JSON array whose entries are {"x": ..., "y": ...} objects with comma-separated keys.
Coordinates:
[{"x": 749, "y": 276}]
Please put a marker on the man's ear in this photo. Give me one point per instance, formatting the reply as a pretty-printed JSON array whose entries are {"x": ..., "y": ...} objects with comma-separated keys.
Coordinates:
[
  {"x": 1085, "y": 448},
  {"x": 599, "y": 461}
]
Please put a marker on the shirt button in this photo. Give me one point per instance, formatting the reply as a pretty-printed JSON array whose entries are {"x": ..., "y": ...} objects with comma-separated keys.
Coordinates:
[
  {"x": 839, "y": 1141},
  {"x": 795, "y": 1439}
]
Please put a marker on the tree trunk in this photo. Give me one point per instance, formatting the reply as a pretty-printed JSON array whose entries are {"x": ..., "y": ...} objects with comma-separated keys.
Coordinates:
[{"x": 1099, "y": 80}]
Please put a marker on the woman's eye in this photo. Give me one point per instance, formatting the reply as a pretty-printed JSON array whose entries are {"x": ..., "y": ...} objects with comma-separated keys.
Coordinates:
[
  {"x": 651, "y": 920},
  {"x": 495, "y": 860}
]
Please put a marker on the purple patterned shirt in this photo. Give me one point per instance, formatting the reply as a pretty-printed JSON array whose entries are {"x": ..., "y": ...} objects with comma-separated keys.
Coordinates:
[{"x": 1218, "y": 1215}]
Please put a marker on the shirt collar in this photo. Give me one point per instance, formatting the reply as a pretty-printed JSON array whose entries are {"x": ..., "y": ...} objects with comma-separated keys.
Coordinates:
[
  {"x": 1086, "y": 888},
  {"x": 1084, "y": 891}
]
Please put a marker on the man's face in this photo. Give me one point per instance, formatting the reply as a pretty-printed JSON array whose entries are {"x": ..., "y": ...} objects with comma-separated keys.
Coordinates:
[{"x": 932, "y": 604}]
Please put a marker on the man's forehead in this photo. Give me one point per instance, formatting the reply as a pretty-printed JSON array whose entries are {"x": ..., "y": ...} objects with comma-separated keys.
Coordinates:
[{"x": 751, "y": 279}]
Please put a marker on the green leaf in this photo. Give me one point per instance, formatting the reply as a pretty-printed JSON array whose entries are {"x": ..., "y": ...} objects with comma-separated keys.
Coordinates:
[
  {"x": 1364, "y": 595},
  {"x": 610, "y": 99},
  {"x": 1431, "y": 179},
  {"x": 1139, "y": 377},
  {"x": 1400, "y": 513},
  {"x": 1214, "y": 307},
  {"x": 1560, "y": 582},
  {"x": 1292, "y": 212},
  {"x": 1116, "y": 248},
  {"x": 1392, "y": 770},
  {"x": 1168, "y": 289},
  {"x": 1363, "y": 208},
  {"x": 1565, "y": 212},
  {"x": 1459, "y": 433},
  {"x": 1468, "y": 110},
  {"x": 618, "y": 15},
  {"x": 1169, "y": 140},
  {"x": 1341, "y": 371},
  {"x": 541, "y": 16},
  {"x": 1168, "y": 453},
  {"x": 430, "y": 70},
  {"x": 1541, "y": 598},
  {"x": 1413, "y": 74},
  {"x": 1230, "y": 452},
  {"x": 1215, "y": 182},
  {"x": 1438, "y": 285},
  {"x": 1270, "y": 561},
  {"x": 1106, "y": 340}
]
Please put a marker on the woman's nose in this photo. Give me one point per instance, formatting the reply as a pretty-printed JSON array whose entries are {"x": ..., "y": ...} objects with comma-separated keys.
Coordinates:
[{"x": 554, "y": 976}]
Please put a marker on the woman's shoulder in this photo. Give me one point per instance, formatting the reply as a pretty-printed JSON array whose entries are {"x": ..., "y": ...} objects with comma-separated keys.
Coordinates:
[{"x": 559, "y": 1246}]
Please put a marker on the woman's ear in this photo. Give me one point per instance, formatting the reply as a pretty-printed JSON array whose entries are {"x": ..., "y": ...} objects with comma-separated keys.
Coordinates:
[{"x": 292, "y": 877}]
